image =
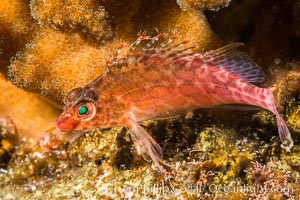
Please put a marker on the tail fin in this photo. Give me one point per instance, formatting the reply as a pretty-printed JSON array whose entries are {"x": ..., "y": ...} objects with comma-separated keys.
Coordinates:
[
  {"x": 283, "y": 131},
  {"x": 284, "y": 134}
]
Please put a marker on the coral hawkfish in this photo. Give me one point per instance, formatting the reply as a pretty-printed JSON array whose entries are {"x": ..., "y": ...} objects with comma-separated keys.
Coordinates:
[{"x": 160, "y": 78}]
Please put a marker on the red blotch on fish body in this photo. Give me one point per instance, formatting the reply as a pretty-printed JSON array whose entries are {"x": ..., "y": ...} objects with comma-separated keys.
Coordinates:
[{"x": 262, "y": 97}]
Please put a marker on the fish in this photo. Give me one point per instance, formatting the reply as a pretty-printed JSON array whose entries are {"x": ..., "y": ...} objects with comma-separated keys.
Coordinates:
[{"x": 161, "y": 78}]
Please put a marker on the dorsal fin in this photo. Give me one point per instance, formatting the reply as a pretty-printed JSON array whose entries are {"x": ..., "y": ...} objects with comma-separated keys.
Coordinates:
[
  {"x": 228, "y": 58},
  {"x": 161, "y": 45}
]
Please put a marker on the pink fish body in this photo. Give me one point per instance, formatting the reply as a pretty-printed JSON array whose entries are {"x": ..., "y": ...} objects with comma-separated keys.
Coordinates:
[{"x": 159, "y": 80}]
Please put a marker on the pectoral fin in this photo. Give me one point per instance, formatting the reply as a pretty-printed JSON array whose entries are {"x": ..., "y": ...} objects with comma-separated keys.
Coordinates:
[{"x": 143, "y": 142}]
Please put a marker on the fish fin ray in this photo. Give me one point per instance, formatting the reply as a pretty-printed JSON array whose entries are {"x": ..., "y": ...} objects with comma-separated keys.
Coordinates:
[
  {"x": 147, "y": 47},
  {"x": 163, "y": 47},
  {"x": 143, "y": 142},
  {"x": 284, "y": 134},
  {"x": 229, "y": 59},
  {"x": 283, "y": 131}
]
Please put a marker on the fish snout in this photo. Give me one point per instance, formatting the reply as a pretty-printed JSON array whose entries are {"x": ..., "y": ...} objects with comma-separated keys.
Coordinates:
[{"x": 64, "y": 123}]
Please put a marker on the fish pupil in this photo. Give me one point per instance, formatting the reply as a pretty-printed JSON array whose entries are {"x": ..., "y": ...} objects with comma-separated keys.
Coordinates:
[{"x": 83, "y": 110}]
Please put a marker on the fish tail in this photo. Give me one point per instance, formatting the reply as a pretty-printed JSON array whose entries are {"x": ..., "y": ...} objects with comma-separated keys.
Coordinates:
[
  {"x": 269, "y": 104},
  {"x": 284, "y": 133}
]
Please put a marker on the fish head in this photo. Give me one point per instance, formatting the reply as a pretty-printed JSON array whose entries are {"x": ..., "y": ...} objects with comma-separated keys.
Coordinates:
[{"x": 79, "y": 111}]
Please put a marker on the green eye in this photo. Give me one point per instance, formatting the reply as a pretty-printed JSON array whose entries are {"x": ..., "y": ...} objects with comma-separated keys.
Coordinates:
[{"x": 83, "y": 110}]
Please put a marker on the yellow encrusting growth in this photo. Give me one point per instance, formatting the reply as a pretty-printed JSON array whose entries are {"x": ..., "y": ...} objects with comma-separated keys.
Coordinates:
[
  {"x": 202, "y": 4},
  {"x": 88, "y": 18},
  {"x": 16, "y": 28},
  {"x": 65, "y": 62}
]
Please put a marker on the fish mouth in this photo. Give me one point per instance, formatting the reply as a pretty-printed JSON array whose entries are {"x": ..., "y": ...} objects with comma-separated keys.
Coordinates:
[{"x": 64, "y": 127}]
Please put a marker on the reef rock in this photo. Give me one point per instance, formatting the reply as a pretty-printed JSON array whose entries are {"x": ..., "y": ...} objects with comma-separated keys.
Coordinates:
[{"x": 30, "y": 114}]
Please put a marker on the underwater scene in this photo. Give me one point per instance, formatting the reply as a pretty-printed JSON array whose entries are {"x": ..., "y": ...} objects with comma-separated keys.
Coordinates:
[{"x": 152, "y": 99}]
